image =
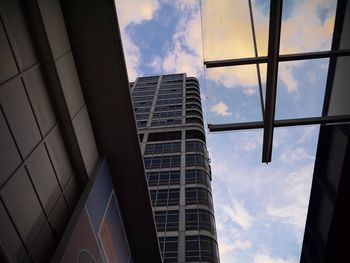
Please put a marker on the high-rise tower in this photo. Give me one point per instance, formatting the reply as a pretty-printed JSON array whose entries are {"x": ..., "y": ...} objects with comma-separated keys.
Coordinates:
[{"x": 170, "y": 124}]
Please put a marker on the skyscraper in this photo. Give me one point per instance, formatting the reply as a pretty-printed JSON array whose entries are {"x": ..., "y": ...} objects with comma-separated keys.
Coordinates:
[{"x": 170, "y": 125}]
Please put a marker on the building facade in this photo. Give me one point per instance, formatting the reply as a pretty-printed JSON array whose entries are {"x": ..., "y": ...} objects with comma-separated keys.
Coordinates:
[
  {"x": 170, "y": 124},
  {"x": 62, "y": 184}
]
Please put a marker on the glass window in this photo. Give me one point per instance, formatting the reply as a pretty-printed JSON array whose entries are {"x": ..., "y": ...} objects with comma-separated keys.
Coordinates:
[
  {"x": 164, "y": 178},
  {"x": 162, "y": 161},
  {"x": 197, "y": 176},
  {"x": 169, "y": 248},
  {"x": 141, "y": 116},
  {"x": 201, "y": 248},
  {"x": 198, "y": 195},
  {"x": 167, "y": 220},
  {"x": 165, "y": 197},
  {"x": 141, "y": 124},
  {"x": 197, "y": 160},
  {"x": 200, "y": 219}
]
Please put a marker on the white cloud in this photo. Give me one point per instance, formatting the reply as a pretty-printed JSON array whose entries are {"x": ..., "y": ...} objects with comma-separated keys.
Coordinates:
[
  {"x": 306, "y": 31},
  {"x": 227, "y": 34},
  {"x": 132, "y": 55},
  {"x": 293, "y": 214},
  {"x": 220, "y": 109},
  {"x": 248, "y": 143},
  {"x": 156, "y": 64},
  {"x": 292, "y": 206},
  {"x": 133, "y": 12},
  {"x": 264, "y": 257},
  {"x": 186, "y": 52},
  {"x": 238, "y": 214},
  {"x": 295, "y": 155},
  {"x": 276, "y": 196},
  {"x": 287, "y": 76},
  {"x": 229, "y": 246},
  {"x": 185, "y": 4},
  {"x": 308, "y": 133},
  {"x": 241, "y": 244},
  {"x": 312, "y": 76},
  {"x": 243, "y": 77}
]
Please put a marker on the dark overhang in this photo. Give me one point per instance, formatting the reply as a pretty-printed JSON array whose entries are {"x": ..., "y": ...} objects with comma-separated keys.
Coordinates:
[
  {"x": 327, "y": 229},
  {"x": 96, "y": 42}
]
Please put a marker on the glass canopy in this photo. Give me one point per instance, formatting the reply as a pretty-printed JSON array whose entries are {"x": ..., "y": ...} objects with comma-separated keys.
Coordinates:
[{"x": 273, "y": 65}]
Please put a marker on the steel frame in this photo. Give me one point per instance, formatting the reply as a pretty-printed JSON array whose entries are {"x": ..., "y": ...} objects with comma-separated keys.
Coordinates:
[
  {"x": 281, "y": 58},
  {"x": 325, "y": 120},
  {"x": 272, "y": 60}
]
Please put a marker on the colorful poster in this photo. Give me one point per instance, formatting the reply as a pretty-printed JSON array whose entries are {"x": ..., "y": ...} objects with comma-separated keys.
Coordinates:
[{"x": 98, "y": 235}]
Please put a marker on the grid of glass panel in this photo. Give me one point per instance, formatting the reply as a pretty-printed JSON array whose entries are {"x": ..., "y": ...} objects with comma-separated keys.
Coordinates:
[
  {"x": 161, "y": 148},
  {"x": 168, "y": 108},
  {"x": 198, "y": 195},
  {"x": 142, "y": 103},
  {"x": 142, "y": 116},
  {"x": 136, "y": 92},
  {"x": 164, "y": 122},
  {"x": 193, "y": 100},
  {"x": 169, "y": 247},
  {"x": 200, "y": 219},
  {"x": 193, "y": 106},
  {"x": 197, "y": 160},
  {"x": 197, "y": 176},
  {"x": 159, "y": 154},
  {"x": 164, "y": 178},
  {"x": 194, "y": 113},
  {"x": 169, "y": 101},
  {"x": 196, "y": 120},
  {"x": 201, "y": 249},
  {"x": 165, "y": 197},
  {"x": 195, "y": 146},
  {"x": 167, "y": 220},
  {"x": 143, "y": 98},
  {"x": 169, "y": 96},
  {"x": 170, "y": 89},
  {"x": 162, "y": 161},
  {"x": 167, "y": 114},
  {"x": 141, "y": 124},
  {"x": 141, "y": 110}
]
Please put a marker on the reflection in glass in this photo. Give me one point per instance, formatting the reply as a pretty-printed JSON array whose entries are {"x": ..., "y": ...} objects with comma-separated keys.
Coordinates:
[
  {"x": 232, "y": 94},
  {"x": 307, "y": 26},
  {"x": 340, "y": 94},
  {"x": 226, "y": 29},
  {"x": 300, "y": 88}
]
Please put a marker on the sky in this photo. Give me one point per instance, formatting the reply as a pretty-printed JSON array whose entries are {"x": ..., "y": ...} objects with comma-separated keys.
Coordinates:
[{"x": 260, "y": 209}]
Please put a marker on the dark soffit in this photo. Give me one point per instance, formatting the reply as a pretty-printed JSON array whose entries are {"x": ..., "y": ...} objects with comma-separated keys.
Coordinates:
[{"x": 97, "y": 48}]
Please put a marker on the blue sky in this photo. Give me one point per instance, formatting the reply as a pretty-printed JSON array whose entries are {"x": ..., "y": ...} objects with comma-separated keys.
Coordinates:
[{"x": 260, "y": 209}]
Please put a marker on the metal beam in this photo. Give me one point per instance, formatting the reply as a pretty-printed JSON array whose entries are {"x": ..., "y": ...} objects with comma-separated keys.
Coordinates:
[
  {"x": 234, "y": 62},
  {"x": 281, "y": 58},
  {"x": 271, "y": 79},
  {"x": 256, "y": 55},
  {"x": 280, "y": 123}
]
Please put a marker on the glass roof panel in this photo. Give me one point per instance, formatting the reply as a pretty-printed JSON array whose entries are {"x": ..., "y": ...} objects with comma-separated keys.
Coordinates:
[
  {"x": 340, "y": 94},
  {"x": 261, "y": 11},
  {"x": 232, "y": 94},
  {"x": 226, "y": 29},
  {"x": 307, "y": 26},
  {"x": 300, "y": 88},
  {"x": 345, "y": 36}
]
